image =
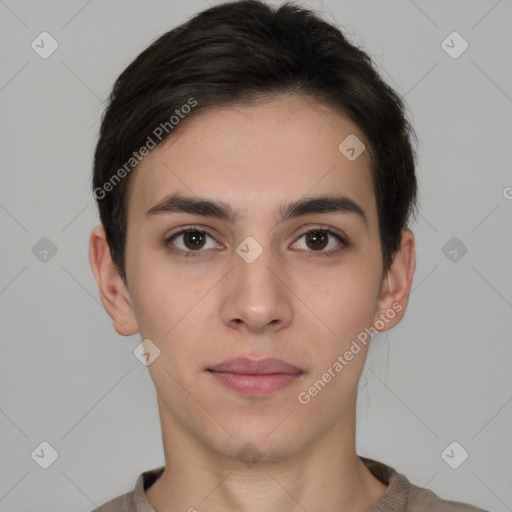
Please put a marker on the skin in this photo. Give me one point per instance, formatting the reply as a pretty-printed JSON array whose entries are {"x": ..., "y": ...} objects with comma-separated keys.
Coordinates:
[{"x": 289, "y": 303}]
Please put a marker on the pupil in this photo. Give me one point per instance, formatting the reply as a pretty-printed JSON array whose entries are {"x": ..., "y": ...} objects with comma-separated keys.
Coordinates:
[
  {"x": 195, "y": 238},
  {"x": 316, "y": 237}
]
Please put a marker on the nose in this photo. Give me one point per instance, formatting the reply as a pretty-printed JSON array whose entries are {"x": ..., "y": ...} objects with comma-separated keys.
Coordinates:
[{"x": 256, "y": 294}]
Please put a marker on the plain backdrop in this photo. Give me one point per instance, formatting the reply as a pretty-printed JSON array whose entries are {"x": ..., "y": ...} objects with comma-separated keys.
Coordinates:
[{"x": 441, "y": 376}]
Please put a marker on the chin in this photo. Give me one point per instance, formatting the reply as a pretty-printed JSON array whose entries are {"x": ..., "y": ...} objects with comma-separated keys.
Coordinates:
[{"x": 256, "y": 445}]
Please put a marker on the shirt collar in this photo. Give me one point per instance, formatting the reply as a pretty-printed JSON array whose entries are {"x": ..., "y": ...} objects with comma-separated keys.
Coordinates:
[{"x": 393, "y": 500}]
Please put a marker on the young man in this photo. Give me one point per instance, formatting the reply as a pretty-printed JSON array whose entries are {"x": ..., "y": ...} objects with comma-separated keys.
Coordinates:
[{"x": 255, "y": 179}]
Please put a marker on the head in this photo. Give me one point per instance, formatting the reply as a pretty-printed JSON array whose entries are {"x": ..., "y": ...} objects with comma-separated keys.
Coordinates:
[{"x": 253, "y": 125}]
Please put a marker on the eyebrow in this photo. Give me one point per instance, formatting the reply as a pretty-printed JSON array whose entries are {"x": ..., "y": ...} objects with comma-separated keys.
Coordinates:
[{"x": 178, "y": 203}]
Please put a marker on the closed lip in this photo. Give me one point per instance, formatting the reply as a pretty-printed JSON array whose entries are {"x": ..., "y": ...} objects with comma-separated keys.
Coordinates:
[{"x": 247, "y": 366}]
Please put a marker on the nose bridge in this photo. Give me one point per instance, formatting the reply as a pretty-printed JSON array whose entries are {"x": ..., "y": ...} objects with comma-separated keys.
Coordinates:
[
  {"x": 253, "y": 264},
  {"x": 257, "y": 296}
]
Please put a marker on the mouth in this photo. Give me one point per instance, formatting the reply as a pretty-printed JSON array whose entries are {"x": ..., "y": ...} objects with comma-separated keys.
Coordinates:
[{"x": 255, "y": 378}]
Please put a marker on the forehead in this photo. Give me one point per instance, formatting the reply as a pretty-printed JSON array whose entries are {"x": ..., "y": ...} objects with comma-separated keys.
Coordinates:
[{"x": 257, "y": 156}]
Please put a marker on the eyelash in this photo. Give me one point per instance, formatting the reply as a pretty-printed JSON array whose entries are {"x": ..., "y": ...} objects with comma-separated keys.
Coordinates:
[{"x": 341, "y": 247}]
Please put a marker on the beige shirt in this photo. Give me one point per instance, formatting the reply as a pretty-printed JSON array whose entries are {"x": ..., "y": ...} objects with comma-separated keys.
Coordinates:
[{"x": 400, "y": 496}]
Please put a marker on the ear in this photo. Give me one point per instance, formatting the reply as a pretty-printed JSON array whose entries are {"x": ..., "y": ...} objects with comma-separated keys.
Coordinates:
[
  {"x": 396, "y": 286},
  {"x": 113, "y": 293}
]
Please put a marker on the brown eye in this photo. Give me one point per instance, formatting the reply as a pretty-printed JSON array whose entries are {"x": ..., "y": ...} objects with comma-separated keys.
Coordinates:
[
  {"x": 317, "y": 240},
  {"x": 190, "y": 241},
  {"x": 194, "y": 239}
]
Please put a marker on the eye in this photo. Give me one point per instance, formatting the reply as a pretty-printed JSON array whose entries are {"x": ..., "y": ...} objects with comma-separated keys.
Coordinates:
[
  {"x": 316, "y": 240},
  {"x": 191, "y": 240}
]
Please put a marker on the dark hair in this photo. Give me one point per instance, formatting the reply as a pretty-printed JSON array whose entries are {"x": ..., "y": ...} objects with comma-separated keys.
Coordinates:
[{"x": 239, "y": 52}]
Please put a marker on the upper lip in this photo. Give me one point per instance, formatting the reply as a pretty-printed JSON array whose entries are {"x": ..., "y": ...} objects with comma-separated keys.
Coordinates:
[{"x": 244, "y": 365}]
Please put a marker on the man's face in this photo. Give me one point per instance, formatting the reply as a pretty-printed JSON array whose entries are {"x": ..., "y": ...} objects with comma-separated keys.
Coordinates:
[{"x": 205, "y": 298}]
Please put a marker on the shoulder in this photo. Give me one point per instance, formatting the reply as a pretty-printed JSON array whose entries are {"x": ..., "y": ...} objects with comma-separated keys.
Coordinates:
[
  {"x": 119, "y": 504},
  {"x": 135, "y": 500},
  {"x": 424, "y": 500},
  {"x": 401, "y": 495}
]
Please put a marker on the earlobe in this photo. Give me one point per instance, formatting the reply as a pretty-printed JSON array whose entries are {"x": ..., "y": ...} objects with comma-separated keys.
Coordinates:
[
  {"x": 396, "y": 287},
  {"x": 113, "y": 293}
]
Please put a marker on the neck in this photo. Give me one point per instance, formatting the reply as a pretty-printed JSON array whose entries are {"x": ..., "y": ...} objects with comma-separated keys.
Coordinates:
[{"x": 326, "y": 475}]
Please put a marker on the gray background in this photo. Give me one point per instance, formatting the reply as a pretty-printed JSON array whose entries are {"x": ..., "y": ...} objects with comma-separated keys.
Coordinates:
[{"x": 442, "y": 375}]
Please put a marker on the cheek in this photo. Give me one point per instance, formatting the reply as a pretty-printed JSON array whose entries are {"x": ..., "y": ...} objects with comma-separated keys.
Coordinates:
[
  {"x": 158, "y": 293},
  {"x": 163, "y": 308},
  {"x": 346, "y": 302},
  {"x": 347, "y": 307},
  {"x": 150, "y": 306},
  {"x": 171, "y": 309}
]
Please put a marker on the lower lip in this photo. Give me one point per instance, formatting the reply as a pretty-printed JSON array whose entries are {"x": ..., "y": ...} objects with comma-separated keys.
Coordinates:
[{"x": 255, "y": 385}]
